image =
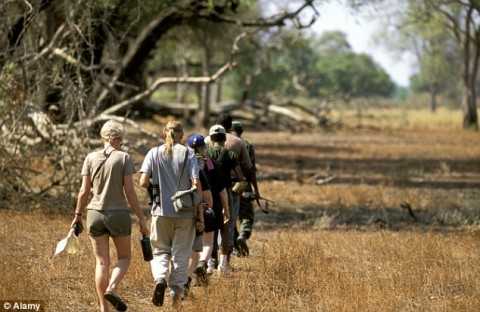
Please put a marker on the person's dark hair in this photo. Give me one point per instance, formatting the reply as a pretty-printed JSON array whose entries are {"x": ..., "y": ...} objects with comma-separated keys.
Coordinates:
[
  {"x": 218, "y": 137},
  {"x": 238, "y": 128},
  {"x": 225, "y": 120}
]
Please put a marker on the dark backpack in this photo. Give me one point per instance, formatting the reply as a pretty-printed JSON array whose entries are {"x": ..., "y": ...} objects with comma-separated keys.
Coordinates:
[{"x": 221, "y": 163}]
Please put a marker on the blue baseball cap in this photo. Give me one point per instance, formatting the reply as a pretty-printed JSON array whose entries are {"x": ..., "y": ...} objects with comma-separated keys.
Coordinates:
[{"x": 196, "y": 140}]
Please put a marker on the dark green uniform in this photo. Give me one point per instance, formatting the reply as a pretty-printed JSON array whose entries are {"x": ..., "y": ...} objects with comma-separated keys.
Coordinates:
[{"x": 246, "y": 215}]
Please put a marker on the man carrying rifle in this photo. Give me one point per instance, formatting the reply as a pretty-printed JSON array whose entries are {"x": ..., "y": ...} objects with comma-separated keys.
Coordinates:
[{"x": 246, "y": 213}]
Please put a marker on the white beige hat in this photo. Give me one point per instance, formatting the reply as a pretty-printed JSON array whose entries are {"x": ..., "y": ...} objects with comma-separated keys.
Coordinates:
[{"x": 216, "y": 129}]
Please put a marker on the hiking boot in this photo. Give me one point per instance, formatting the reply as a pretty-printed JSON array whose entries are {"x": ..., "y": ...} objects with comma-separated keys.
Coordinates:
[
  {"x": 159, "y": 293},
  {"x": 201, "y": 273},
  {"x": 243, "y": 250}
]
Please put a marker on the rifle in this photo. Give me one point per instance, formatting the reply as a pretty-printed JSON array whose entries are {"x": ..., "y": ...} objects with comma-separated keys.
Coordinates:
[{"x": 251, "y": 196}]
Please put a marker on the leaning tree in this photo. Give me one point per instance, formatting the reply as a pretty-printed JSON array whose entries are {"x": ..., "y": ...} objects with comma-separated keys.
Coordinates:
[{"x": 67, "y": 65}]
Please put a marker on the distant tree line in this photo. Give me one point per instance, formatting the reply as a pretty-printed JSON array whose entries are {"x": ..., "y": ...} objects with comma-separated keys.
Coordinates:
[{"x": 444, "y": 35}]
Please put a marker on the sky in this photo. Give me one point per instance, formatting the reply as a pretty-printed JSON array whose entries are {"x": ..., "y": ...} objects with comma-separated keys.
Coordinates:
[{"x": 360, "y": 30}]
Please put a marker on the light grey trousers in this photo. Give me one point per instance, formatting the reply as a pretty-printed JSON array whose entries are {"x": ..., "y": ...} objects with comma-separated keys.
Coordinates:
[{"x": 172, "y": 240}]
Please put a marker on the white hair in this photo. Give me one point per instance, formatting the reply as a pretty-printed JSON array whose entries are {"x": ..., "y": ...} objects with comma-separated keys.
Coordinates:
[{"x": 111, "y": 129}]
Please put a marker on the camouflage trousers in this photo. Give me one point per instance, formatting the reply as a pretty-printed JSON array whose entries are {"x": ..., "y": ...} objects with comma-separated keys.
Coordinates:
[{"x": 246, "y": 217}]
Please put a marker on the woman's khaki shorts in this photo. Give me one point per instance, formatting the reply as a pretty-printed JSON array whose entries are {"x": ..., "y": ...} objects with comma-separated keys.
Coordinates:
[{"x": 113, "y": 223}]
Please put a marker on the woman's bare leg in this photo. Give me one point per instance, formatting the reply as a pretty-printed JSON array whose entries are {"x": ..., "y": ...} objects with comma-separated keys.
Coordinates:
[
  {"x": 102, "y": 266},
  {"x": 124, "y": 254},
  {"x": 207, "y": 246}
]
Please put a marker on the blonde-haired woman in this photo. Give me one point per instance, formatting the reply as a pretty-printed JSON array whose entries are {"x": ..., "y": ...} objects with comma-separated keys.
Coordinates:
[
  {"x": 172, "y": 232},
  {"x": 108, "y": 175}
]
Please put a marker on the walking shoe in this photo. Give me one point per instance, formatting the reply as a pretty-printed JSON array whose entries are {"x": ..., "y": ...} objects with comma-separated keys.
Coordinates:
[
  {"x": 115, "y": 300},
  {"x": 159, "y": 293},
  {"x": 212, "y": 265},
  {"x": 224, "y": 269},
  {"x": 176, "y": 298},
  {"x": 243, "y": 250},
  {"x": 201, "y": 273},
  {"x": 186, "y": 288}
]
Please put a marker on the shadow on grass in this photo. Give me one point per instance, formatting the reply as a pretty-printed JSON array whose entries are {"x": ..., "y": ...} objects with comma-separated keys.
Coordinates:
[
  {"x": 446, "y": 184},
  {"x": 364, "y": 218},
  {"x": 409, "y": 172},
  {"x": 315, "y": 149},
  {"x": 372, "y": 166}
]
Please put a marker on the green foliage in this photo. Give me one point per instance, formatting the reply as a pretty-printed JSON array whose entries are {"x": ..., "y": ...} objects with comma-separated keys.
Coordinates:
[
  {"x": 401, "y": 93},
  {"x": 295, "y": 64},
  {"x": 437, "y": 52},
  {"x": 351, "y": 75},
  {"x": 332, "y": 42}
]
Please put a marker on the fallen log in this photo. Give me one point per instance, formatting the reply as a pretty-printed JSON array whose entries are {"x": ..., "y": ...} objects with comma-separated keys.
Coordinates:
[
  {"x": 292, "y": 115},
  {"x": 325, "y": 180}
]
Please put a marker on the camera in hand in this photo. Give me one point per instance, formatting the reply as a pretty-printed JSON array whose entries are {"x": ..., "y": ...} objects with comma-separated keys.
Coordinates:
[
  {"x": 77, "y": 228},
  {"x": 146, "y": 248},
  {"x": 154, "y": 194}
]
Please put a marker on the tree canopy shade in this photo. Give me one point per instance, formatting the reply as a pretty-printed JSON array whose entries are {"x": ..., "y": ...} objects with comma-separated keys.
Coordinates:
[
  {"x": 101, "y": 49},
  {"x": 66, "y": 66}
]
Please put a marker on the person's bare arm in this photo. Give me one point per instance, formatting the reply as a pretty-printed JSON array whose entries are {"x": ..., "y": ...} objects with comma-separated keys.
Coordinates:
[
  {"x": 196, "y": 183},
  {"x": 254, "y": 173},
  {"x": 82, "y": 199},
  {"x": 255, "y": 184},
  {"x": 225, "y": 206},
  {"x": 207, "y": 202},
  {"x": 133, "y": 202},
  {"x": 144, "y": 180},
  {"x": 208, "y": 198}
]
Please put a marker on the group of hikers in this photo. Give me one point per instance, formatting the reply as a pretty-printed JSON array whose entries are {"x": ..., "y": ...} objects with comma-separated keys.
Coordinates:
[{"x": 198, "y": 192}]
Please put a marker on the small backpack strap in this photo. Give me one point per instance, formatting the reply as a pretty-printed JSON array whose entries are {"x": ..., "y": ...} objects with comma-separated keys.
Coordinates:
[
  {"x": 101, "y": 164},
  {"x": 183, "y": 168}
]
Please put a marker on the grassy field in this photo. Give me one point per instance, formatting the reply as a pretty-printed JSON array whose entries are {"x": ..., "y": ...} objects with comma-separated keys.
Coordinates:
[{"x": 347, "y": 245}]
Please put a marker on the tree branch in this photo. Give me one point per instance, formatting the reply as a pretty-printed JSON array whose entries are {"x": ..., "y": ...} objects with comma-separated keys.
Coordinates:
[
  {"x": 143, "y": 45},
  {"x": 193, "y": 80},
  {"x": 276, "y": 20},
  {"x": 16, "y": 32},
  {"x": 147, "y": 39},
  {"x": 167, "y": 80}
]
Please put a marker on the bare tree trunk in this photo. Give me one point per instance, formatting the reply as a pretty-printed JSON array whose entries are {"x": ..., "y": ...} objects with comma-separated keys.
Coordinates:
[
  {"x": 182, "y": 87},
  {"x": 50, "y": 94},
  {"x": 219, "y": 91},
  {"x": 204, "y": 113},
  {"x": 470, "y": 118},
  {"x": 246, "y": 89},
  {"x": 433, "y": 99},
  {"x": 471, "y": 46},
  {"x": 16, "y": 32}
]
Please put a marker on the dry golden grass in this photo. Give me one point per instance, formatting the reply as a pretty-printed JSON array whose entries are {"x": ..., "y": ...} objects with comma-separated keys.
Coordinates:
[
  {"x": 288, "y": 271},
  {"x": 401, "y": 117},
  {"x": 344, "y": 246}
]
